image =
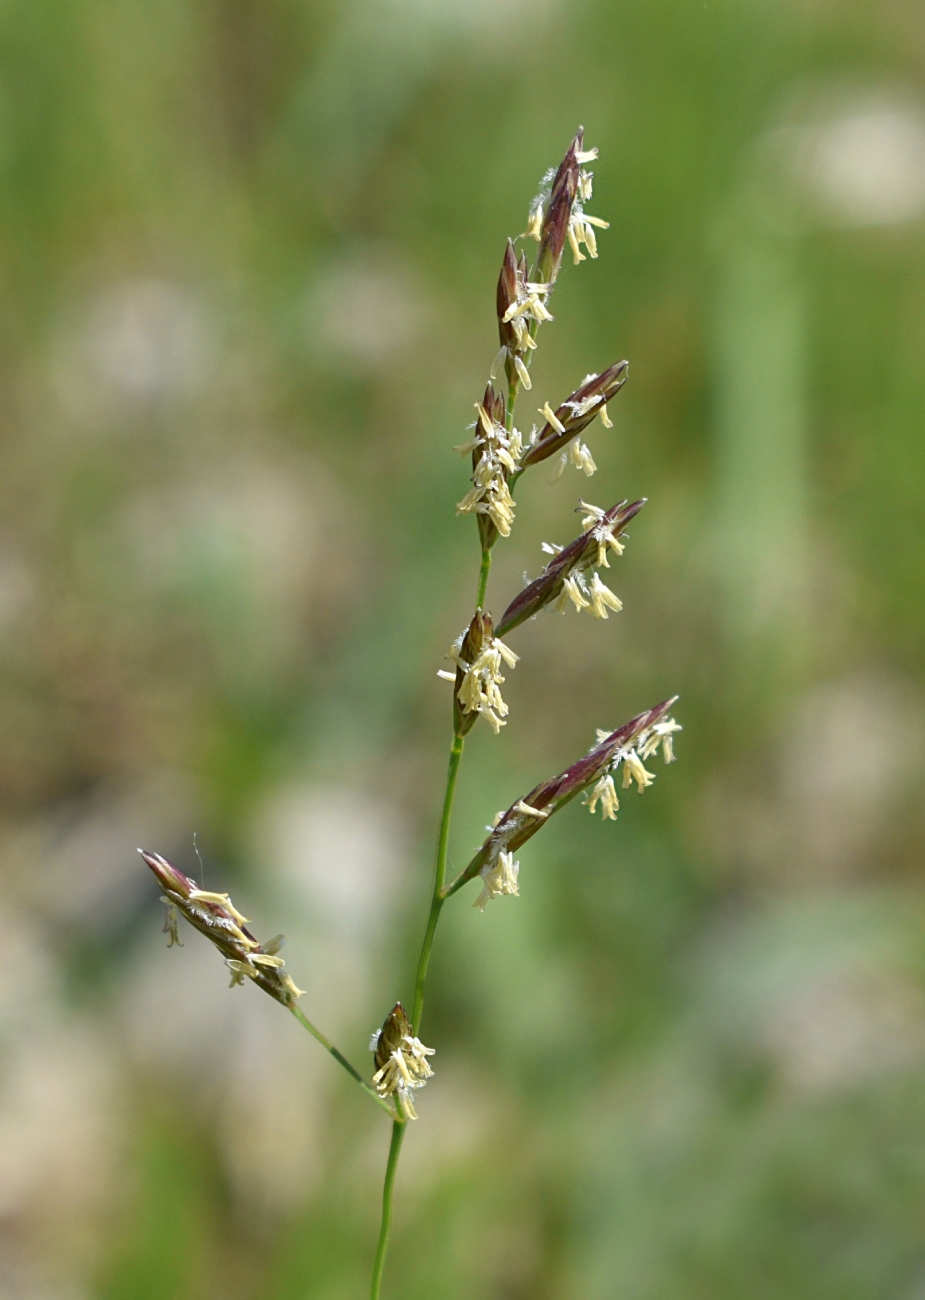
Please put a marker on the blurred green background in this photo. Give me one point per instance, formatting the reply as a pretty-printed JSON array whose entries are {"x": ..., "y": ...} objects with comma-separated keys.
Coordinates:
[{"x": 248, "y": 251}]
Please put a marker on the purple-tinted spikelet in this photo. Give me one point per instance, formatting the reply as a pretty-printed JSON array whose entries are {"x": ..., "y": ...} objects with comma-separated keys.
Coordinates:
[
  {"x": 525, "y": 817},
  {"x": 507, "y": 297},
  {"x": 578, "y": 556},
  {"x": 556, "y": 223},
  {"x": 401, "y": 1061},
  {"x": 496, "y": 500},
  {"x": 215, "y": 916},
  {"x": 577, "y": 412},
  {"x": 478, "y": 636},
  {"x": 478, "y": 655}
]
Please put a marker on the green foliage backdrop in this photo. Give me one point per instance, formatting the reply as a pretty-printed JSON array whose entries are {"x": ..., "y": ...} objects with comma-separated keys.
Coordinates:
[{"x": 247, "y": 265}]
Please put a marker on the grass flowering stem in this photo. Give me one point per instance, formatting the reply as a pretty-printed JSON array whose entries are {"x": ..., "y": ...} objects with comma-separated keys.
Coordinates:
[
  {"x": 478, "y": 654},
  {"x": 438, "y": 898},
  {"x": 499, "y": 455},
  {"x": 340, "y": 1059},
  {"x": 398, "y": 1133}
]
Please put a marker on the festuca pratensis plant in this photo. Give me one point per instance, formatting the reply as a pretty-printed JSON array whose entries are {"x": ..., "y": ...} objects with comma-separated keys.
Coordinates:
[{"x": 500, "y": 453}]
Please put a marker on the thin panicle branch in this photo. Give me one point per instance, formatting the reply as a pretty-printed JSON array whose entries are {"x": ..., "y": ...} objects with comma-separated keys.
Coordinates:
[{"x": 215, "y": 916}]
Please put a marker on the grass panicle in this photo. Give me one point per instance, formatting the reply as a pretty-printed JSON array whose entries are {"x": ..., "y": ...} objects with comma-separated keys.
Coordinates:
[{"x": 480, "y": 658}]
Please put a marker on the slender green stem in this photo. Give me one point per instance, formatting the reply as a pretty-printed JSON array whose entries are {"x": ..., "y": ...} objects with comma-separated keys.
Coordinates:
[
  {"x": 341, "y": 1059},
  {"x": 436, "y": 902},
  {"x": 483, "y": 579},
  {"x": 513, "y": 387},
  {"x": 398, "y": 1133}
]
